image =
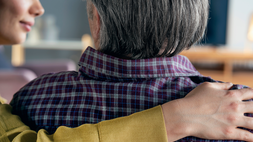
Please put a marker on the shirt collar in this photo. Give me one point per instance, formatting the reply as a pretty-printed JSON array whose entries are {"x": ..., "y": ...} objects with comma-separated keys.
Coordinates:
[{"x": 99, "y": 65}]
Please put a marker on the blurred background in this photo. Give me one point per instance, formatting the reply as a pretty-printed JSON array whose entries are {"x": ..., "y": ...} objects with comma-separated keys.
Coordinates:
[
  {"x": 58, "y": 39},
  {"x": 228, "y": 25},
  {"x": 65, "y": 20}
]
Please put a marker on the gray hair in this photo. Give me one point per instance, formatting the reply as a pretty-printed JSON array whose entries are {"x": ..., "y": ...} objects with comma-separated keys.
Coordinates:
[{"x": 139, "y": 29}]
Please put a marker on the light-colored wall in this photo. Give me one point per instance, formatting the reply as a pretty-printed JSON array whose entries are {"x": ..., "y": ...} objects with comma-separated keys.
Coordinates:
[{"x": 240, "y": 12}]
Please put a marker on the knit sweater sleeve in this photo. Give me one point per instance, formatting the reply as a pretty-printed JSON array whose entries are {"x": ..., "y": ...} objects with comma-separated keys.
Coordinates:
[{"x": 145, "y": 126}]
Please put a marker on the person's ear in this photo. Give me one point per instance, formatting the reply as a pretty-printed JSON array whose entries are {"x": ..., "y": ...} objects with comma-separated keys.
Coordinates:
[{"x": 96, "y": 23}]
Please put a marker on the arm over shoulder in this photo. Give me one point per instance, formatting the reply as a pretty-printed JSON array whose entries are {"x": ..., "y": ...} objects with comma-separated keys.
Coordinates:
[{"x": 145, "y": 126}]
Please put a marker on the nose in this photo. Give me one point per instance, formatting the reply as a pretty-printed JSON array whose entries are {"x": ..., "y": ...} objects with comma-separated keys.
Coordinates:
[{"x": 36, "y": 8}]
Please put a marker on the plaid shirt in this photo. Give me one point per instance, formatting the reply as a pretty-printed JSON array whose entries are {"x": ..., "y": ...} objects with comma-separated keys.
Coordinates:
[{"x": 105, "y": 87}]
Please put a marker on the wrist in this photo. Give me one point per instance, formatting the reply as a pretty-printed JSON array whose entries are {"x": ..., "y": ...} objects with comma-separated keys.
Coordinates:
[{"x": 177, "y": 126}]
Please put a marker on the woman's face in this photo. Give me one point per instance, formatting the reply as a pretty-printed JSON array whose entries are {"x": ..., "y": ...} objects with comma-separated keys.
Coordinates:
[{"x": 17, "y": 18}]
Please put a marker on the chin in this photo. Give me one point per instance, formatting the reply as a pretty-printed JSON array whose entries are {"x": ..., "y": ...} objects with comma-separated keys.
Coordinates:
[
  {"x": 12, "y": 38},
  {"x": 18, "y": 40},
  {"x": 12, "y": 41}
]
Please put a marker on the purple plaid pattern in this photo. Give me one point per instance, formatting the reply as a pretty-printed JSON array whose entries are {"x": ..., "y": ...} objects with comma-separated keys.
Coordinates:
[{"x": 105, "y": 87}]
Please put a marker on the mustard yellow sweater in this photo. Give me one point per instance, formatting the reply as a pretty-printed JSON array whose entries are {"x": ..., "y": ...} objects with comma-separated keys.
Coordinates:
[{"x": 145, "y": 126}]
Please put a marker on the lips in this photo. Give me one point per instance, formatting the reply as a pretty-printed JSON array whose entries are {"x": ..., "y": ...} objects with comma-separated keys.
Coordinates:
[{"x": 27, "y": 26}]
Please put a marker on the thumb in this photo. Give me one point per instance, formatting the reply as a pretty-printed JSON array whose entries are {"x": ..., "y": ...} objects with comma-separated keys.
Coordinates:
[{"x": 223, "y": 86}]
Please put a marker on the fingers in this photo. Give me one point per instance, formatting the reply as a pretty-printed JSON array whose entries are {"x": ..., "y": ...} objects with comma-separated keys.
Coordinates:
[
  {"x": 247, "y": 107},
  {"x": 247, "y": 122},
  {"x": 238, "y": 134},
  {"x": 248, "y": 93},
  {"x": 223, "y": 86},
  {"x": 245, "y": 94}
]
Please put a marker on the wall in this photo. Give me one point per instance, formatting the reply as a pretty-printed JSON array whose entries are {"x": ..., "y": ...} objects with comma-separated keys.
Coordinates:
[
  {"x": 71, "y": 17},
  {"x": 240, "y": 12}
]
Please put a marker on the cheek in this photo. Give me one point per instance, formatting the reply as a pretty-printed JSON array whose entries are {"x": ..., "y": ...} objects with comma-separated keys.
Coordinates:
[
  {"x": 5, "y": 28},
  {"x": 11, "y": 37},
  {"x": 12, "y": 11},
  {"x": 17, "y": 8},
  {"x": 11, "y": 32}
]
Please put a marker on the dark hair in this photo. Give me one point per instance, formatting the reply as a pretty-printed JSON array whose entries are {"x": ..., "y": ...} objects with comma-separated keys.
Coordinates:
[{"x": 139, "y": 29}]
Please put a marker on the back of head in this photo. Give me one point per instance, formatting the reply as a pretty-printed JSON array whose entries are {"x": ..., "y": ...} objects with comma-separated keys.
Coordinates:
[{"x": 139, "y": 29}]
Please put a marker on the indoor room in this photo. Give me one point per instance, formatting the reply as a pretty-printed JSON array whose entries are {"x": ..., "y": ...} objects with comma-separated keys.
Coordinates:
[
  {"x": 126, "y": 70},
  {"x": 59, "y": 37}
]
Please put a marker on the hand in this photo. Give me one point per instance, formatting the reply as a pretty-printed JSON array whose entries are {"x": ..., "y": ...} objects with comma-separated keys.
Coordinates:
[{"x": 210, "y": 111}]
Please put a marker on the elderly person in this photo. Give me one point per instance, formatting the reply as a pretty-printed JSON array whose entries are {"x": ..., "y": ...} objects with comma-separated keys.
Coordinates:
[{"x": 179, "y": 118}]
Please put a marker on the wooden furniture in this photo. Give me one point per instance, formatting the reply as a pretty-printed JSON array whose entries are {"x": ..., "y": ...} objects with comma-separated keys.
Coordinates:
[
  {"x": 225, "y": 57},
  {"x": 18, "y": 51}
]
